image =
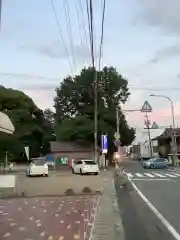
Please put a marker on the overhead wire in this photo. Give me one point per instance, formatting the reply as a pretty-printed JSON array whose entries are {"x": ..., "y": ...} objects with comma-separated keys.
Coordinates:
[
  {"x": 69, "y": 29},
  {"x": 82, "y": 23},
  {"x": 61, "y": 35},
  {"x": 102, "y": 34},
  {"x": 89, "y": 9}
]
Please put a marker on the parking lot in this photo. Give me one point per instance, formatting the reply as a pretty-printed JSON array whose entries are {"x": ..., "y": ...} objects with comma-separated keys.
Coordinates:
[{"x": 59, "y": 182}]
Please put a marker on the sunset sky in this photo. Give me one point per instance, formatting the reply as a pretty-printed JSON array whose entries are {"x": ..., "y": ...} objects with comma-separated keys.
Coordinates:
[{"x": 141, "y": 40}]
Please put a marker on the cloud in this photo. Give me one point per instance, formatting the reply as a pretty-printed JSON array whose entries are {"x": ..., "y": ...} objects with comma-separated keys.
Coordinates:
[
  {"x": 162, "y": 13},
  {"x": 38, "y": 95},
  {"x": 55, "y": 50},
  {"x": 166, "y": 53}
]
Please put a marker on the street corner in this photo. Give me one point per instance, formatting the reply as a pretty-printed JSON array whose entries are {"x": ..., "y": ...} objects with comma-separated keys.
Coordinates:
[{"x": 52, "y": 218}]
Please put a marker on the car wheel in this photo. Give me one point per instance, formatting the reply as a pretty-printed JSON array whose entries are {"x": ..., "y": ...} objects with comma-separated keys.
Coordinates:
[
  {"x": 46, "y": 175},
  {"x": 152, "y": 166},
  {"x": 96, "y": 173}
]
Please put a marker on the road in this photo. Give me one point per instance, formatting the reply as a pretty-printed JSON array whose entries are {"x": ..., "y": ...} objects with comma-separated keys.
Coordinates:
[{"x": 159, "y": 217}]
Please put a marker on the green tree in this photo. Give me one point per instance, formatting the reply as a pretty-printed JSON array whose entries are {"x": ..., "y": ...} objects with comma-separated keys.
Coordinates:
[
  {"x": 31, "y": 127},
  {"x": 74, "y": 105}
]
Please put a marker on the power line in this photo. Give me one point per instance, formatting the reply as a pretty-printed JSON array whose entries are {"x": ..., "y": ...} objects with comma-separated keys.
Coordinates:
[
  {"x": 69, "y": 29},
  {"x": 82, "y": 23},
  {"x": 0, "y": 14},
  {"x": 155, "y": 89},
  {"x": 60, "y": 33},
  {"x": 89, "y": 9},
  {"x": 28, "y": 76},
  {"x": 102, "y": 34}
]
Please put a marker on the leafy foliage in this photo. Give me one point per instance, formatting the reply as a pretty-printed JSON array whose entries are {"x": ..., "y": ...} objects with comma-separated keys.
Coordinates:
[
  {"x": 31, "y": 127},
  {"x": 74, "y": 105}
]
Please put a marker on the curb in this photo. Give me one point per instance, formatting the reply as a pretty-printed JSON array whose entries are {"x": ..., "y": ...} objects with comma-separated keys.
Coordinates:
[{"x": 108, "y": 222}]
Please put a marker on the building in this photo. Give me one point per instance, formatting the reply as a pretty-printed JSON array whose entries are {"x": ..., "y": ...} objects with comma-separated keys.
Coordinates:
[
  {"x": 165, "y": 141},
  {"x": 62, "y": 153}
]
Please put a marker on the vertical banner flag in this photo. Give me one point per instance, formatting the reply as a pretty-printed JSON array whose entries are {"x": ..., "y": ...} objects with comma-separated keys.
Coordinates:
[
  {"x": 104, "y": 144},
  {"x": 27, "y": 151}
]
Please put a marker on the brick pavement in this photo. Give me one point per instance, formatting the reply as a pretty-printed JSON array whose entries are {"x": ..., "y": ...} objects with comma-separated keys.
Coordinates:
[{"x": 51, "y": 218}]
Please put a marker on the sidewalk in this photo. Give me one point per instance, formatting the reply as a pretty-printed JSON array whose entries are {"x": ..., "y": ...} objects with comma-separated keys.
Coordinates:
[{"x": 108, "y": 223}]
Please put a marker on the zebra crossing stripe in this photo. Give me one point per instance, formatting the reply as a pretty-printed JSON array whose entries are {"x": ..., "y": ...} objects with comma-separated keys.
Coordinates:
[
  {"x": 149, "y": 175},
  {"x": 129, "y": 175},
  {"x": 159, "y": 175},
  {"x": 139, "y": 175},
  {"x": 169, "y": 175},
  {"x": 176, "y": 174}
]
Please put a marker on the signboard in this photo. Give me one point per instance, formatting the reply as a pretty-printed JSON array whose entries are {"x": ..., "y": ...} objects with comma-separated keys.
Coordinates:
[
  {"x": 146, "y": 107},
  {"x": 62, "y": 161},
  {"x": 104, "y": 144},
  {"x": 117, "y": 142},
  {"x": 7, "y": 181},
  {"x": 27, "y": 151},
  {"x": 154, "y": 125}
]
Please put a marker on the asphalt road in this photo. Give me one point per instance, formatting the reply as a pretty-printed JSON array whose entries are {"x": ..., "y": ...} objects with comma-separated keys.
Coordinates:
[{"x": 143, "y": 220}]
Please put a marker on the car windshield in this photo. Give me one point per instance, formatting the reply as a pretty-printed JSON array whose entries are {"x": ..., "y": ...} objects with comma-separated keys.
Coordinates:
[
  {"x": 39, "y": 162},
  {"x": 90, "y": 162}
]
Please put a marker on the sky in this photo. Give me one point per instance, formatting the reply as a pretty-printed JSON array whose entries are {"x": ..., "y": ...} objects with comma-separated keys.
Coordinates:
[{"x": 141, "y": 39}]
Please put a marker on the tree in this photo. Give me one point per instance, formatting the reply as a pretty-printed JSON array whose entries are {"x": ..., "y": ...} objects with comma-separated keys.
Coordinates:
[
  {"x": 74, "y": 104},
  {"x": 29, "y": 122}
]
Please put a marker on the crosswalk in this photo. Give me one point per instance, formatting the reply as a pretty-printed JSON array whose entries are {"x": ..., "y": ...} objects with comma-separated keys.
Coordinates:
[{"x": 152, "y": 175}]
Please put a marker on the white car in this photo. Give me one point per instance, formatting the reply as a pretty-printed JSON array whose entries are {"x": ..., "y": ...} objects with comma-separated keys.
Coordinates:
[
  {"x": 85, "y": 166},
  {"x": 37, "y": 169}
]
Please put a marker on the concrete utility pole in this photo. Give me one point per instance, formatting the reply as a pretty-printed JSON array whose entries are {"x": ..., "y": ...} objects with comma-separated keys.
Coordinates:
[
  {"x": 174, "y": 145},
  {"x": 147, "y": 123},
  {"x": 95, "y": 115}
]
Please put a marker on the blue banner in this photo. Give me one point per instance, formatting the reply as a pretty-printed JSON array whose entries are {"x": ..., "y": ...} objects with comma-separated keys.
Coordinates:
[{"x": 104, "y": 144}]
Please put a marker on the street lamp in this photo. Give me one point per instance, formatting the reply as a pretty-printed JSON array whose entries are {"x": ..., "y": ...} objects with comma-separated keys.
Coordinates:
[{"x": 173, "y": 119}]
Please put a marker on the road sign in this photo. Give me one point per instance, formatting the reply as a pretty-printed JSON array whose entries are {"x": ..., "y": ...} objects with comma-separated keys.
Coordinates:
[
  {"x": 146, "y": 107},
  {"x": 104, "y": 144},
  {"x": 116, "y": 135},
  {"x": 154, "y": 125},
  {"x": 117, "y": 143},
  {"x": 27, "y": 151}
]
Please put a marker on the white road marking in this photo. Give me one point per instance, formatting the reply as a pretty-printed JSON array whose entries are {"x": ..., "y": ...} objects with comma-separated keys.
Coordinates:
[
  {"x": 171, "y": 229},
  {"x": 159, "y": 175},
  {"x": 176, "y": 174},
  {"x": 153, "y": 179},
  {"x": 139, "y": 175},
  {"x": 129, "y": 175},
  {"x": 169, "y": 175},
  {"x": 149, "y": 175}
]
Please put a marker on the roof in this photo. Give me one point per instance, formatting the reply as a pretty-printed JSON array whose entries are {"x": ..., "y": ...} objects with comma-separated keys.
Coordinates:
[
  {"x": 6, "y": 124},
  {"x": 168, "y": 133},
  {"x": 68, "y": 147}
]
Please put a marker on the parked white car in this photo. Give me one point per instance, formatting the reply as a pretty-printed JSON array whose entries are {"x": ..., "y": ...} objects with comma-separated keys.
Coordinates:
[
  {"x": 85, "y": 166},
  {"x": 38, "y": 168}
]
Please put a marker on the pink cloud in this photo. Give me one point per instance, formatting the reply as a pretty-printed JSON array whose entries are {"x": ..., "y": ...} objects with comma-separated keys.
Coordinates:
[{"x": 162, "y": 117}]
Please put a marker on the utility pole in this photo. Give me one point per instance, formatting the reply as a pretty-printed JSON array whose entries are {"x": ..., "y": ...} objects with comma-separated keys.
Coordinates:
[
  {"x": 95, "y": 115},
  {"x": 147, "y": 123}
]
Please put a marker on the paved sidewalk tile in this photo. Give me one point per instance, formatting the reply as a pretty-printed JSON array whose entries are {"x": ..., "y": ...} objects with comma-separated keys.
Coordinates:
[{"x": 108, "y": 223}]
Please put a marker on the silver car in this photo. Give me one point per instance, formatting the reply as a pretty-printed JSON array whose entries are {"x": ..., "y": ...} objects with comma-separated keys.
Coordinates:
[{"x": 155, "y": 163}]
